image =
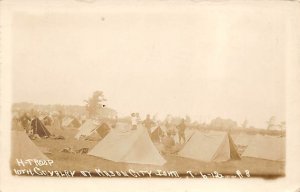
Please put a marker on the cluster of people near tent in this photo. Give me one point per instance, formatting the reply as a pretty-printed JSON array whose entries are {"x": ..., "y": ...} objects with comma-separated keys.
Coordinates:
[
  {"x": 32, "y": 124},
  {"x": 35, "y": 122},
  {"x": 165, "y": 132}
]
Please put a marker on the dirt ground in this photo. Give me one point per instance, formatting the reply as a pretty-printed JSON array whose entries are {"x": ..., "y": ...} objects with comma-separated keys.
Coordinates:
[{"x": 70, "y": 161}]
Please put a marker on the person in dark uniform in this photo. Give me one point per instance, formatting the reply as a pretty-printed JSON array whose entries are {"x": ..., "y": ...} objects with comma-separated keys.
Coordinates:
[{"x": 148, "y": 123}]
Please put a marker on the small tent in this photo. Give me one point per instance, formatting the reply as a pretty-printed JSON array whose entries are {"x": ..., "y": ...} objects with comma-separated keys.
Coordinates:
[
  {"x": 242, "y": 141},
  {"x": 156, "y": 133},
  {"x": 103, "y": 130},
  {"x": 66, "y": 122},
  {"x": 90, "y": 126},
  {"x": 76, "y": 123},
  {"x": 266, "y": 147},
  {"x": 39, "y": 128},
  {"x": 208, "y": 147},
  {"x": 69, "y": 122},
  {"x": 24, "y": 148},
  {"x": 48, "y": 120},
  {"x": 132, "y": 146}
]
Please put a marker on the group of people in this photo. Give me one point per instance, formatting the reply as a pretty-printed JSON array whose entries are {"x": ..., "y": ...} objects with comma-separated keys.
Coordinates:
[
  {"x": 135, "y": 120},
  {"x": 27, "y": 120},
  {"x": 166, "y": 136}
]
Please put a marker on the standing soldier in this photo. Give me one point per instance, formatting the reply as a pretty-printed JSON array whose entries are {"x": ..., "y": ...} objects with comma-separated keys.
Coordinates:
[
  {"x": 148, "y": 123},
  {"x": 181, "y": 131},
  {"x": 134, "y": 121},
  {"x": 25, "y": 122}
]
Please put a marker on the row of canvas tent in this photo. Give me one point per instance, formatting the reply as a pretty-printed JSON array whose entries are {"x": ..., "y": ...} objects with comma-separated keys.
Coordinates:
[{"x": 135, "y": 146}]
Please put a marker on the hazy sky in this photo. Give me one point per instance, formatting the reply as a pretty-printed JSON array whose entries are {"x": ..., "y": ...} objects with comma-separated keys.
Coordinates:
[{"x": 214, "y": 62}]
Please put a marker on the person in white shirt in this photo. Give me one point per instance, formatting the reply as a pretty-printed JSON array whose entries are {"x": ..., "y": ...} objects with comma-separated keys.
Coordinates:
[{"x": 134, "y": 121}]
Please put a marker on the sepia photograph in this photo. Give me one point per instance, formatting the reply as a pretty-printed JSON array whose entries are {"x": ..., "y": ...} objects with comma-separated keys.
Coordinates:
[{"x": 159, "y": 91}]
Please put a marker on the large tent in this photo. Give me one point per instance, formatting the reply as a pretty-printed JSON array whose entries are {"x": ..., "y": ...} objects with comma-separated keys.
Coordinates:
[
  {"x": 24, "y": 148},
  {"x": 208, "y": 147},
  {"x": 132, "y": 146},
  {"x": 266, "y": 147}
]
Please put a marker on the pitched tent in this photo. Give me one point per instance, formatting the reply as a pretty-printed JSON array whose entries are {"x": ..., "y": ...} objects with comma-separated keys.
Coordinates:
[
  {"x": 156, "y": 133},
  {"x": 103, "y": 129},
  {"x": 162, "y": 130},
  {"x": 47, "y": 120},
  {"x": 39, "y": 128},
  {"x": 133, "y": 146},
  {"x": 90, "y": 126},
  {"x": 24, "y": 148},
  {"x": 208, "y": 147},
  {"x": 67, "y": 121},
  {"x": 266, "y": 147},
  {"x": 242, "y": 141},
  {"x": 76, "y": 123}
]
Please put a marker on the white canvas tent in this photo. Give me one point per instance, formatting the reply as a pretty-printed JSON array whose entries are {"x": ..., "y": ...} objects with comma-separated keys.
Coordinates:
[
  {"x": 266, "y": 147},
  {"x": 208, "y": 147},
  {"x": 243, "y": 139},
  {"x": 132, "y": 146},
  {"x": 87, "y": 128},
  {"x": 66, "y": 122},
  {"x": 24, "y": 148}
]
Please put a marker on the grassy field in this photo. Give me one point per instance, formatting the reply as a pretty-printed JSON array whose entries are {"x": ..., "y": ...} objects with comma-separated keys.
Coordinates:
[{"x": 70, "y": 161}]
